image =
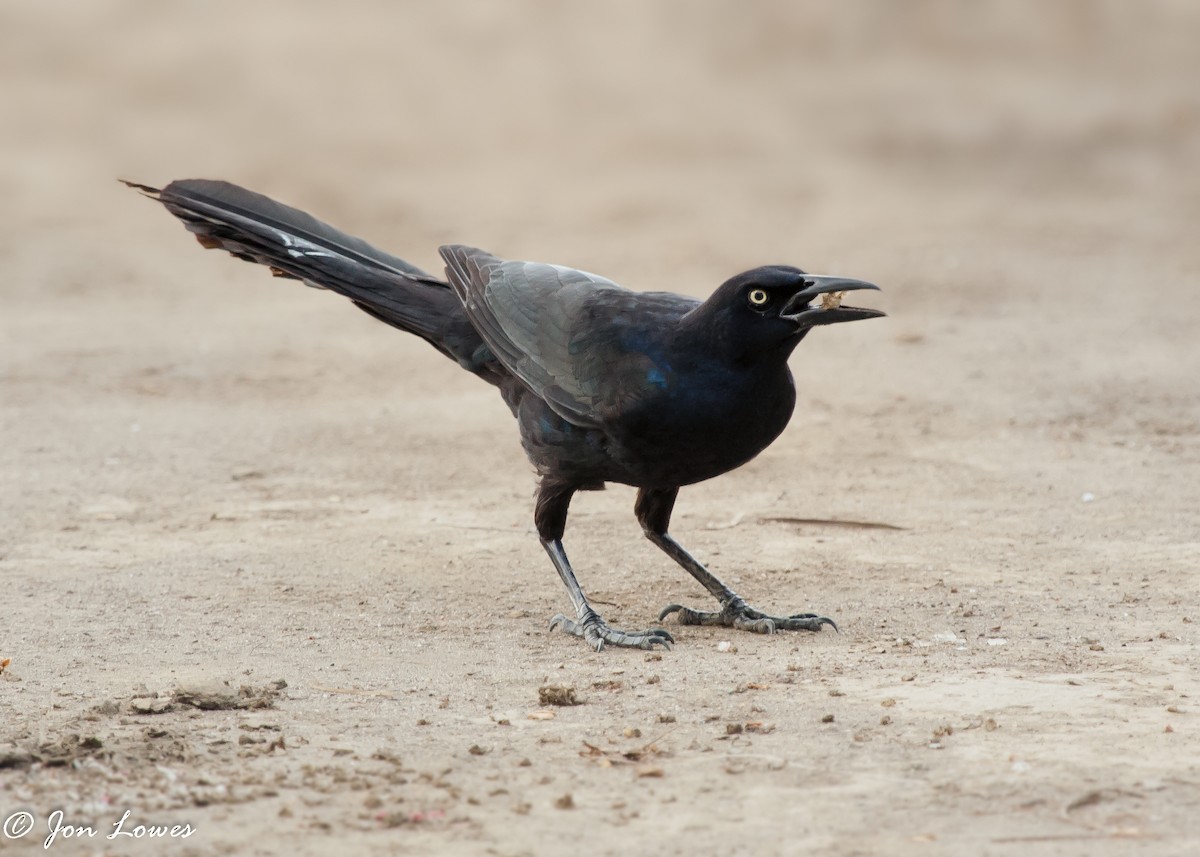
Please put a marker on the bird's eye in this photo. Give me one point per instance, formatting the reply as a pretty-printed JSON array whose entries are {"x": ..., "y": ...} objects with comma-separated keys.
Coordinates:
[{"x": 758, "y": 297}]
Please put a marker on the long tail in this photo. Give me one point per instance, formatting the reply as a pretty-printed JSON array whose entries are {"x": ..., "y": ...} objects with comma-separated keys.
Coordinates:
[{"x": 296, "y": 245}]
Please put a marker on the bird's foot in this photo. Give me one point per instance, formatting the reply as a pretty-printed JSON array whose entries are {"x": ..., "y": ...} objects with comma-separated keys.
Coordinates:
[
  {"x": 736, "y": 613},
  {"x": 596, "y": 632}
]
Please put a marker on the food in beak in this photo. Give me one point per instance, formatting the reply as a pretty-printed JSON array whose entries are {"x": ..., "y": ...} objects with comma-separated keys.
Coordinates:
[{"x": 831, "y": 300}]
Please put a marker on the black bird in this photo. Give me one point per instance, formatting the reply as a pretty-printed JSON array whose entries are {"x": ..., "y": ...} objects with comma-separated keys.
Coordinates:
[{"x": 649, "y": 389}]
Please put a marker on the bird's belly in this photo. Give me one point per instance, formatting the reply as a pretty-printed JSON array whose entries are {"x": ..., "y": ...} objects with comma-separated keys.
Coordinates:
[
  {"x": 668, "y": 441},
  {"x": 672, "y": 446}
]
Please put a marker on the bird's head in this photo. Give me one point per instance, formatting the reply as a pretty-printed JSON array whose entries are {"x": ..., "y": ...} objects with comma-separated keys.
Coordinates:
[{"x": 774, "y": 306}]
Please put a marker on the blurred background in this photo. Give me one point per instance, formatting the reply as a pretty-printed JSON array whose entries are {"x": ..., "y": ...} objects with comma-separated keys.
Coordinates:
[{"x": 906, "y": 139}]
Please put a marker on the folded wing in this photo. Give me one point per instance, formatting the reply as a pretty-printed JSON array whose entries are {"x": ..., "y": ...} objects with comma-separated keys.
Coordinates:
[{"x": 536, "y": 319}]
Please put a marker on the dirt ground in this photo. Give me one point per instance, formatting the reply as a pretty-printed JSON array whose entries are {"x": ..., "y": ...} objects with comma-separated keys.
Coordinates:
[{"x": 268, "y": 565}]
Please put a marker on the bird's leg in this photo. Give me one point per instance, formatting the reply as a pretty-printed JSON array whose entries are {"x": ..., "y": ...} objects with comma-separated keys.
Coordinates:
[
  {"x": 551, "y": 519},
  {"x": 653, "y": 509}
]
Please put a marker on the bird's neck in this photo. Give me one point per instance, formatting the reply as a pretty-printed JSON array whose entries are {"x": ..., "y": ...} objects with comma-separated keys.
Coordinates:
[{"x": 712, "y": 331}]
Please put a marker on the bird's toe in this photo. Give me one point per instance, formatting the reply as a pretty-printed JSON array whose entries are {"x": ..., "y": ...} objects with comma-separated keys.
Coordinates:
[
  {"x": 688, "y": 616},
  {"x": 762, "y": 625},
  {"x": 805, "y": 622},
  {"x": 669, "y": 609},
  {"x": 596, "y": 633},
  {"x": 736, "y": 613}
]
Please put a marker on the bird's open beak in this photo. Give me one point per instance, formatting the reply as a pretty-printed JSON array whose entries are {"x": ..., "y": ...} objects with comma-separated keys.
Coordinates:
[{"x": 829, "y": 309}]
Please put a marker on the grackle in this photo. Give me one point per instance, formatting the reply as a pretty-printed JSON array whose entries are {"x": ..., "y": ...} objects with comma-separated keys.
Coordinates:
[{"x": 649, "y": 389}]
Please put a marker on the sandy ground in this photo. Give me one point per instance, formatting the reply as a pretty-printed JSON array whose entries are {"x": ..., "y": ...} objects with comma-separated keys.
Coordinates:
[{"x": 215, "y": 479}]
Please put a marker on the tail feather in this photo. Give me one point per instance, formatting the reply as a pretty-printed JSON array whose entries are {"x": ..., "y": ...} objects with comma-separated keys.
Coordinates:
[
  {"x": 202, "y": 203},
  {"x": 296, "y": 245}
]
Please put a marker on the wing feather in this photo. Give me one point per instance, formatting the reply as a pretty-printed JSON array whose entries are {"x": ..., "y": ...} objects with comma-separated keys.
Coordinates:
[{"x": 530, "y": 314}]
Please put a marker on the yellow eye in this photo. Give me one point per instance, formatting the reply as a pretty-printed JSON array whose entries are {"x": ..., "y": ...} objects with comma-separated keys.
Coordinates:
[{"x": 758, "y": 297}]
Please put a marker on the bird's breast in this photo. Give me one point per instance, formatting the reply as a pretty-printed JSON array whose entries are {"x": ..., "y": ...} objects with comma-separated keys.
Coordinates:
[{"x": 692, "y": 426}]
